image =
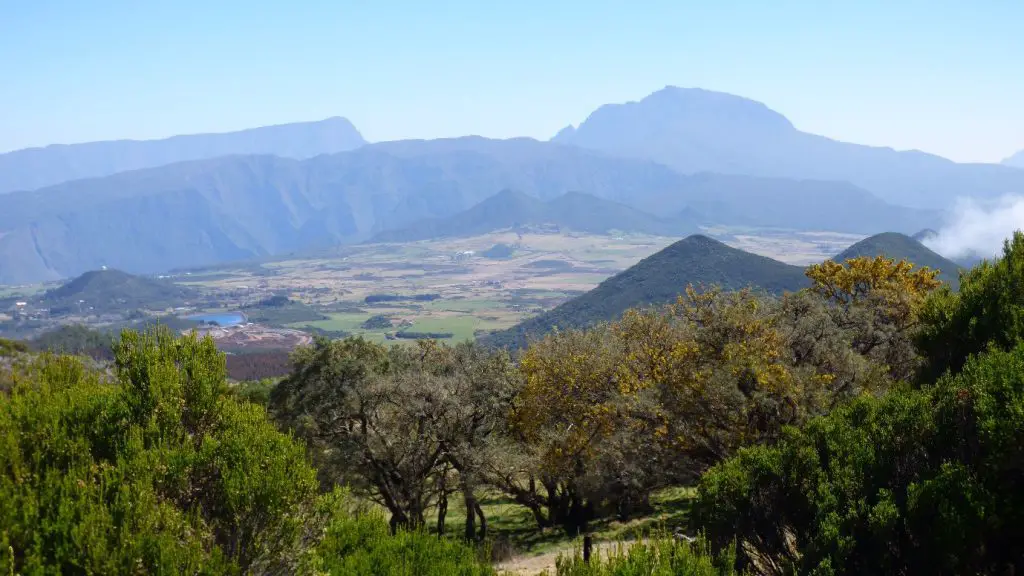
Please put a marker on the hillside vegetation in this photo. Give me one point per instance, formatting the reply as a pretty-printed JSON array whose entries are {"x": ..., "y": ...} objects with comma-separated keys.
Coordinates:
[
  {"x": 658, "y": 279},
  {"x": 114, "y": 291}
]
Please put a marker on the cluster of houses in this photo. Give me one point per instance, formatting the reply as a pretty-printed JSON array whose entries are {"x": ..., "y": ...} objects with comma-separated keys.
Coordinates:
[{"x": 20, "y": 311}]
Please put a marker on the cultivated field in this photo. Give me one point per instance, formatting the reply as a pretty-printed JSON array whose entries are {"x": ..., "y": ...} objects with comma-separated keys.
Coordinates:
[{"x": 475, "y": 291}]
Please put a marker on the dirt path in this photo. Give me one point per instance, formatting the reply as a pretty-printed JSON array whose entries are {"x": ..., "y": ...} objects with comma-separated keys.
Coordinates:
[{"x": 534, "y": 565}]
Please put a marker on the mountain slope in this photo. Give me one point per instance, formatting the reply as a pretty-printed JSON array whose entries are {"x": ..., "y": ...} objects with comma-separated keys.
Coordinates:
[
  {"x": 695, "y": 130},
  {"x": 115, "y": 291},
  {"x": 38, "y": 167},
  {"x": 511, "y": 209},
  {"x": 1015, "y": 161},
  {"x": 658, "y": 279},
  {"x": 236, "y": 207},
  {"x": 903, "y": 247}
]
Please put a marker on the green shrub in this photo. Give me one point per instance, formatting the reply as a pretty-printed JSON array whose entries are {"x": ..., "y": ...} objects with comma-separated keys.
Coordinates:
[
  {"x": 916, "y": 482},
  {"x": 988, "y": 310},
  {"x": 11, "y": 347},
  {"x": 360, "y": 543},
  {"x": 159, "y": 472}
]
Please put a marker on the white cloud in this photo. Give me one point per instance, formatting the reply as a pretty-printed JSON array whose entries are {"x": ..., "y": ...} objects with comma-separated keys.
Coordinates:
[{"x": 979, "y": 229}]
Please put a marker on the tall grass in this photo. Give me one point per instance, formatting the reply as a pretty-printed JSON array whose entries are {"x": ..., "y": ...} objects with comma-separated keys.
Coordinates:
[{"x": 659, "y": 556}]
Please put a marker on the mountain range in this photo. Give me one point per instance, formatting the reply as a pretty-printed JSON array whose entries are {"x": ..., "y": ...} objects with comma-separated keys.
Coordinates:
[
  {"x": 33, "y": 168},
  {"x": 694, "y": 130},
  {"x": 235, "y": 207},
  {"x": 689, "y": 154}
]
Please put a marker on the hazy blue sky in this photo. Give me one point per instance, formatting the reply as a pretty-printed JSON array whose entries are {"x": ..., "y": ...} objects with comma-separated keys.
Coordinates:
[{"x": 941, "y": 76}]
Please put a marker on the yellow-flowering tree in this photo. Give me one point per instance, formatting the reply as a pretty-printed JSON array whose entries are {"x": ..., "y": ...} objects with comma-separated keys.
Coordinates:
[
  {"x": 878, "y": 301},
  {"x": 718, "y": 369},
  {"x": 858, "y": 279},
  {"x": 573, "y": 420},
  {"x": 610, "y": 413}
]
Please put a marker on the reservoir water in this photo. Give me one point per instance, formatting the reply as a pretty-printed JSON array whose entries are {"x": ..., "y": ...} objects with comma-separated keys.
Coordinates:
[{"x": 223, "y": 318}]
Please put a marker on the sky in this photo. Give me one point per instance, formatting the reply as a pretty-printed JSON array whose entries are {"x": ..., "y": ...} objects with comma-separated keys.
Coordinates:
[{"x": 940, "y": 76}]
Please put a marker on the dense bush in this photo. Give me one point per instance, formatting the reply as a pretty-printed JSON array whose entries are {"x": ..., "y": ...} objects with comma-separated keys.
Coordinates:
[
  {"x": 280, "y": 311},
  {"x": 987, "y": 311},
  {"x": 377, "y": 298},
  {"x": 156, "y": 469},
  {"x": 916, "y": 482},
  {"x": 255, "y": 391}
]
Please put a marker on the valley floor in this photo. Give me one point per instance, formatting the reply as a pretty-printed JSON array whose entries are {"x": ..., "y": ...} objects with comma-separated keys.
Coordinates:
[{"x": 474, "y": 293}]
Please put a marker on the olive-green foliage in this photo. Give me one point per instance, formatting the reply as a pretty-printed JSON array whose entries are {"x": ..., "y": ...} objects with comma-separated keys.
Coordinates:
[
  {"x": 158, "y": 472},
  {"x": 657, "y": 557},
  {"x": 915, "y": 482},
  {"x": 397, "y": 422},
  {"x": 987, "y": 311}
]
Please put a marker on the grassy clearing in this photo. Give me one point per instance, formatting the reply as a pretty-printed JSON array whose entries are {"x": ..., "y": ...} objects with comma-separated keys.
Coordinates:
[
  {"x": 461, "y": 327},
  {"x": 514, "y": 524},
  {"x": 337, "y": 321}
]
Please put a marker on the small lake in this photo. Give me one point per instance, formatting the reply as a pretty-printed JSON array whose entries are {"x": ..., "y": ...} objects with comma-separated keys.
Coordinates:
[{"x": 223, "y": 318}]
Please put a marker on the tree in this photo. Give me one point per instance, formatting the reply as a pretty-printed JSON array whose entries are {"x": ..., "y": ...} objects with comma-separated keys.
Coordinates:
[
  {"x": 819, "y": 337},
  {"x": 482, "y": 386},
  {"x": 571, "y": 420},
  {"x": 396, "y": 422},
  {"x": 719, "y": 369}
]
